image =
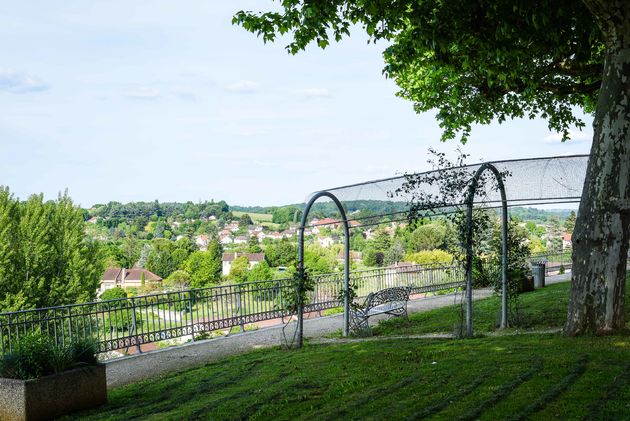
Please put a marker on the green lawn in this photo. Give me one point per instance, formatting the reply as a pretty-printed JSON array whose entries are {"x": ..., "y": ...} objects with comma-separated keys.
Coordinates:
[
  {"x": 528, "y": 376},
  {"x": 259, "y": 218},
  {"x": 542, "y": 309}
]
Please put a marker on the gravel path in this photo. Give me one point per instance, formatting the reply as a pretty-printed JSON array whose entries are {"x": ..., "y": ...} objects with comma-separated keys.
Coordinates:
[{"x": 131, "y": 369}]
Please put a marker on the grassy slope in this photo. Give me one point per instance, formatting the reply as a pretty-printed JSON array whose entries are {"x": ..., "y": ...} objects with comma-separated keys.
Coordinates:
[
  {"x": 535, "y": 376},
  {"x": 259, "y": 217}
]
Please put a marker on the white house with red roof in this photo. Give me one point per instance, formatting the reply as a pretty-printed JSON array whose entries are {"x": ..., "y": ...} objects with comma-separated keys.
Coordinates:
[
  {"x": 127, "y": 278},
  {"x": 566, "y": 240}
]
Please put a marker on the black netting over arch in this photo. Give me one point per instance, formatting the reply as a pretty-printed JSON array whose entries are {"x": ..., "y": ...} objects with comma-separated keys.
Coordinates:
[{"x": 528, "y": 182}]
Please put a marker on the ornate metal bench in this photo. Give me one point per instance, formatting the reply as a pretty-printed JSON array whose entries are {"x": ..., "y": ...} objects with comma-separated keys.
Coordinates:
[{"x": 391, "y": 301}]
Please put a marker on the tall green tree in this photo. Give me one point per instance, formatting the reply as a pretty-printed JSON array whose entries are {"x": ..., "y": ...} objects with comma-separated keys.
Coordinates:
[
  {"x": 476, "y": 61},
  {"x": 244, "y": 221},
  {"x": 160, "y": 260},
  {"x": 129, "y": 252},
  {"x": 569, "y": 223},
  {"x": 239, "y": 269},
  {"x": 281, "y": 253},
  {"x": 252, "y": 245},
  {"x": 260, "y": 272},
  {"x": 286, "y": 214},
  {"x": 180, "y": 279},
  {"x": 428, "y": 237},
  {"x": 46, "y": 259},
  {"x": 204, "y": 269}
]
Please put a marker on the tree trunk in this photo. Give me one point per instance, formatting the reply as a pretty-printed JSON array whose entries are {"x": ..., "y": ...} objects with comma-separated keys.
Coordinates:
[{"x": 600, "y": 239}]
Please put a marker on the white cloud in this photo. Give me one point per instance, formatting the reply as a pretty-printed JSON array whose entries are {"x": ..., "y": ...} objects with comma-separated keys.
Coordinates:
[
  {"x": 574, "y": 135},
  {"x": 19, "y": 83},
  {"x": 143, "y": 92},
  {"x": 312, "y": 93},
  {"x": 242, "y": 86}
]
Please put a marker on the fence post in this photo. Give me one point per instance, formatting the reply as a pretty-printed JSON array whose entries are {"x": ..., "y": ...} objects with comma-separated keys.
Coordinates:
[
  {"x": 239, "y": 308},
  {"x": 134, "y": 326},
  {"x": 193, "y": 300},
  {"x": 69, "y": 324}
]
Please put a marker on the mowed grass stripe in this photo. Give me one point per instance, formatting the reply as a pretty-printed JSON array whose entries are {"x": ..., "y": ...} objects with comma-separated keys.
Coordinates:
[
  {"x": 503, "y": 391},
  {"x": 552, "y": 394},
  {"x": 620, "y": 383},
  {"x": 438, "y": 405}
]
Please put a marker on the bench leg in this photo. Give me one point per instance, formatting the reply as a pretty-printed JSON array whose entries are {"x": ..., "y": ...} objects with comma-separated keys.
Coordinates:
[{"x": 360, "y": 324}]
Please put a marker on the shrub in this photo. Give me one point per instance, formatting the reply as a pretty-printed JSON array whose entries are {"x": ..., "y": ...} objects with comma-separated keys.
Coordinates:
[
  {"x": 113, "y": 294},
  {"x": 84, "y": 351},
  {"x": 33, "y": 356},
  {"x": 36, "y": 355},
  {"x": 428, "y": 257},
  {"x": 120, "y": 317}
]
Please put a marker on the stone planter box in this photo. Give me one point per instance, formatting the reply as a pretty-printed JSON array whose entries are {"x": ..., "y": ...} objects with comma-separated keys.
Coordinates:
[{"x": 53, "y": 396}]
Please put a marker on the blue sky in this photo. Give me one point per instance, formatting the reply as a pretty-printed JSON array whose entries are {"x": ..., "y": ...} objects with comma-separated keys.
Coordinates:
[{"x": 167, "y": 100}]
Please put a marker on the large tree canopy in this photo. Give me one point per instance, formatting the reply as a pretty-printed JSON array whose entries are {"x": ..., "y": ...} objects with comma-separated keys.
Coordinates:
[
  {"x": 473, "y": 61},
  {"x": 479, "y": 60},
  {"x": 45, "y": 258}
]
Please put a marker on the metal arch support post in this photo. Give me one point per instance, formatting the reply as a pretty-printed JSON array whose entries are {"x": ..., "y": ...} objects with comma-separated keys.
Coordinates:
[
  {"x": 346, "y": 259},
  {"x": 469, "y": 252}
]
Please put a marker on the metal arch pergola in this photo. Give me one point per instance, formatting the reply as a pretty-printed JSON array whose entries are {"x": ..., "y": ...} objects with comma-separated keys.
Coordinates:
[
  {"x": 469, "y": 244},
  {"x": 346, "y": 260},
  {"x": 537, "y": 181}
]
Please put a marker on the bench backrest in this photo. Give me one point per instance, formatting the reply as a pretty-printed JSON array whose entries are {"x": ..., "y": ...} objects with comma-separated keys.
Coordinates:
[{"x": 387, "y": 295}]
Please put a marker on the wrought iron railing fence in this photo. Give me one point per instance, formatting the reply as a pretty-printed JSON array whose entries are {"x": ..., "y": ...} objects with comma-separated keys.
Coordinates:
[
  {"x": 555, "y": 261},
  {"x": 123, "y": 323}
]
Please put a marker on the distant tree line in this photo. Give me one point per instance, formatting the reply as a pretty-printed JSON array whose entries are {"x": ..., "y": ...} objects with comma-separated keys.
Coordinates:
[{"x": 189, "y": 210}]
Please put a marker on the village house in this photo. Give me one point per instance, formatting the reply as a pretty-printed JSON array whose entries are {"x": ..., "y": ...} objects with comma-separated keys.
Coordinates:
[
  {"x": 325, "y": 241},
  {"x": 255, "y": 229},
  {"x": 232, "y": 226},
  {"x": 329, "y": 222},
  {"x": 566, "y": 240},
  {"x": 228, "y": 258},
  {"x": 225, "y": 239},
  {"x": 241, "y": 239},
  {"x": 274, "y": 236},
  {"x": 126, "y": 278},
  {"x": 202, "y": 242},
  {"x": 287, "y": 233}
]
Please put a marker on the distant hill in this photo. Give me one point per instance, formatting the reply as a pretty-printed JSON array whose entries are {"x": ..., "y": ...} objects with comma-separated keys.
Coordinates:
[
  {"x": 539, "y": 215},
  {"x": 380, "y": 207}
]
